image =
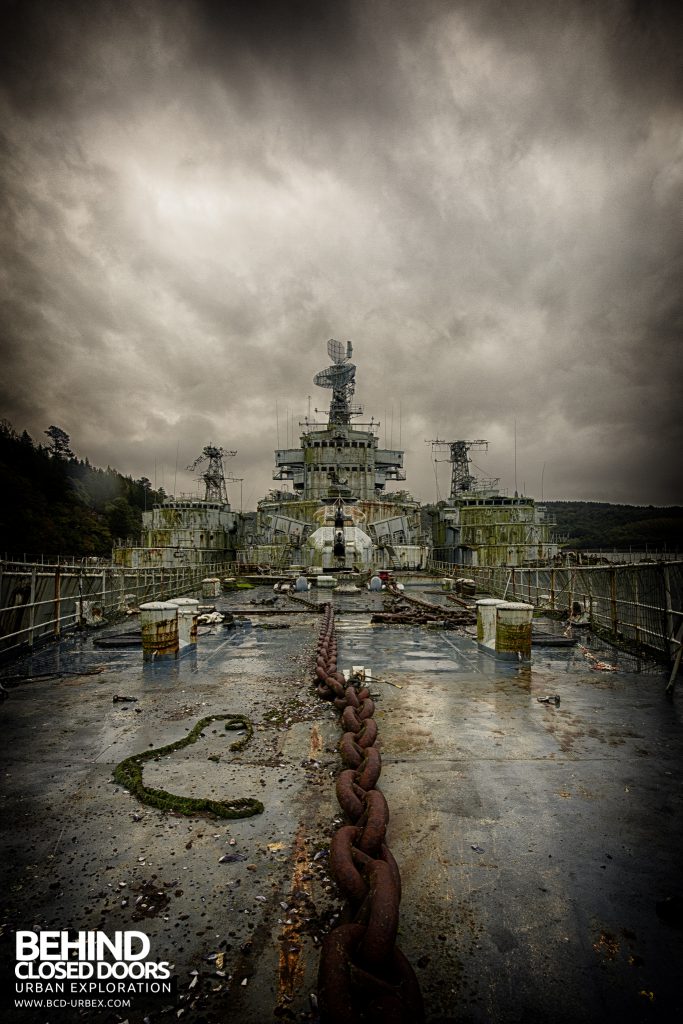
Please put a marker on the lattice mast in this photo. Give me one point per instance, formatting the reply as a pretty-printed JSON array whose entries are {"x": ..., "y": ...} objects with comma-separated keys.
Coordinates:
[
  {"x": 462, "y": 481},
  {"x": 214, "y": 474}
]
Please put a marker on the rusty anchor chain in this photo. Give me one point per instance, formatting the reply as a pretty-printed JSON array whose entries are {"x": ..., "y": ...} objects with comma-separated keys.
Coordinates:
[{"x": 363, "y": 975}]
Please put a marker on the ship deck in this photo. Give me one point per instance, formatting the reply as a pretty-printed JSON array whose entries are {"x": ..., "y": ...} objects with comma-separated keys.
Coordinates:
[{"x": 536, "y": 842}]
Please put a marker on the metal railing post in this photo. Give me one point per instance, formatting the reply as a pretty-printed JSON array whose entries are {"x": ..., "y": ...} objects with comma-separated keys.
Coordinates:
[
  {"x": 668, "y": 612},
  {"x": 32, "y": 607},
  {"x": 552, "y": 590},
  {"x": 57, "y": 629}
]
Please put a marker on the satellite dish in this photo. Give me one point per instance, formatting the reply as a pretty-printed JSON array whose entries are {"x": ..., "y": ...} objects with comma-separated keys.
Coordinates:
[
  {"x": 337, "y": 376},
  {"x": 335, "y": 350}
]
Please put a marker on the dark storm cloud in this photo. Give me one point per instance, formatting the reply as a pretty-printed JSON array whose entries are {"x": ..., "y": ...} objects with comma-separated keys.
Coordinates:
[
  {"x": 639, "y": 38},
  {"x": 335, "y": 57},
  {"x": 485, "y": 197}
]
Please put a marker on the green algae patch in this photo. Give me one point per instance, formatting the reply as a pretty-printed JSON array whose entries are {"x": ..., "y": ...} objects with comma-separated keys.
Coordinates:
[{"x": 128, "y": 773}]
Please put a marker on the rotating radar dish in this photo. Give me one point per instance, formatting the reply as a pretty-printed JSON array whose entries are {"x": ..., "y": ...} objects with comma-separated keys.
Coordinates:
[
  {"x": 337, "y": 376},
  {"x": 335, "y": 350}
]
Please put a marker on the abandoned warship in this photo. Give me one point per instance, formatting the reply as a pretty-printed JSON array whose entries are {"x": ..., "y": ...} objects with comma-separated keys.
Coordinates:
[
  {"x": 524, "y": 792},
  {"x": 340, "y": 514}
]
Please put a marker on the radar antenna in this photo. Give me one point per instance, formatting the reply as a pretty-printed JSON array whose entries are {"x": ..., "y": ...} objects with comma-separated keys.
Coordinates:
[
  {"x": 340, "y": 377},
  {"x": 214, "y": 475},
  {"x": 462, "y": 480}
]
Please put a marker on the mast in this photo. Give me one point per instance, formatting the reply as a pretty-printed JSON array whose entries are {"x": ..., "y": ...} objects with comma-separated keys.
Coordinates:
[
  {"x": 462, "y": 481},
  {"x": 214, "y": 475}
]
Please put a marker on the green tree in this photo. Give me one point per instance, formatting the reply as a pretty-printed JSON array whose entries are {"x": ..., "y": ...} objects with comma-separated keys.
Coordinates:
[
  {"x": 60, "y": 443},
  {"x": 122, "y": 519}
]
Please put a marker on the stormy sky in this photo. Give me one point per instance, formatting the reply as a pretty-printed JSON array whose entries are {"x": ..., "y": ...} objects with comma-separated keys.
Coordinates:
[{"x": 485, "y": 197}]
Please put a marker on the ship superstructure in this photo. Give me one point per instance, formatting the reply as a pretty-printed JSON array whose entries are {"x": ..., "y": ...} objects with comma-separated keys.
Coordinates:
[
  {"x": 480, "y": 526},
  {"x": 188, "y": 530},
  {"x": 339, "y": 514}
]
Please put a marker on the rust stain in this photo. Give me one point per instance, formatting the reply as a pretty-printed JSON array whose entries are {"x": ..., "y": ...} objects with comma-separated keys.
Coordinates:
[
  {"x": 160, "y": 637},
  {"x": 291, "y": 968},
  {"x": 316, "y": 741}
]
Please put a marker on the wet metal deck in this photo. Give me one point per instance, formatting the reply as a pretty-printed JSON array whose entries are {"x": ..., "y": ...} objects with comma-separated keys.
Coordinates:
[{"x": 534, "y": 841}]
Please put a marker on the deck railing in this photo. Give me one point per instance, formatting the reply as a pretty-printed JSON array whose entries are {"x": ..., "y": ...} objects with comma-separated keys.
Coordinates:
[
  {"x": 41, "y": 600},
  {"x": 640, "y": 603}
]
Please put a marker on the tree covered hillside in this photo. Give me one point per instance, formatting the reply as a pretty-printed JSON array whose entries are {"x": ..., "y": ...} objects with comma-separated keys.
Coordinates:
[
  {"x": 592, "y": 524},
  {"x": 56, "y": 504}
]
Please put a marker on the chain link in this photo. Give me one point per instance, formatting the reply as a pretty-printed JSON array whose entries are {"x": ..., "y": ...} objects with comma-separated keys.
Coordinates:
[{"x": 363, "y": 975}]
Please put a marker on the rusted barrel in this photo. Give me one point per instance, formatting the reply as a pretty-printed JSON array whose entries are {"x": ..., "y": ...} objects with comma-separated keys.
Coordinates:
[
  {"x": 513, "y": 631},
  {"x": 159, "y": 625},
  {"x": 211, "y": 587}
]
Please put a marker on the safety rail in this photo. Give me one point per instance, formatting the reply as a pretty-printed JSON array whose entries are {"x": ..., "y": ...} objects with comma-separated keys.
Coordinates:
[
  {"x": 39, "y": 600},
  {"x": 641, "y": 603}
]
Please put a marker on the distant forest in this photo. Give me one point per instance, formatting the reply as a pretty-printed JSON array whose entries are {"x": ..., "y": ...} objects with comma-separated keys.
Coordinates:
[
  {"x": 54, "y": 503},
  {"x": 600, "y": 526}
]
